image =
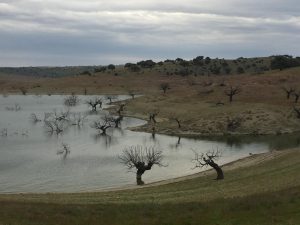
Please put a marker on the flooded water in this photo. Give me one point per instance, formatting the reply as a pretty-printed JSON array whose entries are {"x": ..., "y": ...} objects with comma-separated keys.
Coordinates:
[{"x": 29, "y": 159}]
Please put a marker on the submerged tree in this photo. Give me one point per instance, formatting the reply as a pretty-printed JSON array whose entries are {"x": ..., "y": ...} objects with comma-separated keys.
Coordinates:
[
  {"x": 207, "y": 159},
  {"x": 64, "y": 151},
  {"x": 103, "y": 124},
  {"x": 142, "y": 159},
  {"x": 71, "y": 100},
  {"x": 93, "y": 103}
]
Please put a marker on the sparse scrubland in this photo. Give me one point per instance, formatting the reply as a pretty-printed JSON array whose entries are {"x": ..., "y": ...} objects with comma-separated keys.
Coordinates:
[{"x": 195, "y": 101}]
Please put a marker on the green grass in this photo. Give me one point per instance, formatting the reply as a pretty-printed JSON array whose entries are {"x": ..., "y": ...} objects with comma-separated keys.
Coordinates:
[{"x": 267, "y": 193}]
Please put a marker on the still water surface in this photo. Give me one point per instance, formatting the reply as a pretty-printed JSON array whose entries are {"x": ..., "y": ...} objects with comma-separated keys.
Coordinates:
[{"x": 29, "y": 161}]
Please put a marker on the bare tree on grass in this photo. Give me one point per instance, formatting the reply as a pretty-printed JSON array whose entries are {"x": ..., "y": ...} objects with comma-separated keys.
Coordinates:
[
  {"x": 103, "y": 124},
  {"x": 207, "y": 159},
  {"x": 164, "y": 87},
  {"x": 23, "y": 90},
  {"x": 93, "y": 103},
  {"x": 142, "y": 159},
  {"x": 152, "y": 116},
  {"x": 296, "y": 95},
  {"x": 297, "y": 111},
  {"x": 132, "y": 93},
  {"x": 233, "y": 123},
  {"x": 289, "y": 91},
  {"x": 121, "y": 108},
  {"x": 232, "y": 92},
  {"x": 177, "y": 120}
]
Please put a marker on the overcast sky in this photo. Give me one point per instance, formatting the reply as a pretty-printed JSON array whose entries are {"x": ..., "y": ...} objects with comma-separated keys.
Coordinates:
[{"x": 94, "y": 32}]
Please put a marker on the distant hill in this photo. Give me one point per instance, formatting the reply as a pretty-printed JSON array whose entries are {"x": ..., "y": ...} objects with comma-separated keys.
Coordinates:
[{"x": 199, "y": 66}]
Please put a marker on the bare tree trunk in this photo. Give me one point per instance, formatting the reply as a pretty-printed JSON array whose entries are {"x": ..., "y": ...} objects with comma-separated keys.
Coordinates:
[
  {"x": 220, "y": 174},
  {"x": 139, "y": 180}
]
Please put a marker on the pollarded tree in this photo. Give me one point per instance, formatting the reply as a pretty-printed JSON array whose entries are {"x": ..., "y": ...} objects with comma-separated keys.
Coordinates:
[
  {"x": 207, "y": 159},
  {"x": 232, "y": 92},
  {"x": 103, "y": 124},
  {"x": 94, "y": 103},
  {"x": 142, "y": 159}
]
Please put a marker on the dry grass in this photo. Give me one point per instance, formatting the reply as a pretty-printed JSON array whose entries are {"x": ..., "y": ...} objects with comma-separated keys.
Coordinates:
[{"x": 261, "y": 107}]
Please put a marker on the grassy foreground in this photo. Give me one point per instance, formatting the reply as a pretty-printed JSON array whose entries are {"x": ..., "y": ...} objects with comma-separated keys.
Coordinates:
[{"x": 263, "y": 189}]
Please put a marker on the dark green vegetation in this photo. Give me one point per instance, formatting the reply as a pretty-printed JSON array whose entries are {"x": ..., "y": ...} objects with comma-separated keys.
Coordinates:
[
  {"x": 198, "y": 66},
  {"x": 261, "y": 190}
]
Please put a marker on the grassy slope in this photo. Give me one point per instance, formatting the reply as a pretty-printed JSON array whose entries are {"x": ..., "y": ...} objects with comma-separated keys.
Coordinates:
[
  {"x": 262, "y": 105},
  {"x": 266, "y": 193}
]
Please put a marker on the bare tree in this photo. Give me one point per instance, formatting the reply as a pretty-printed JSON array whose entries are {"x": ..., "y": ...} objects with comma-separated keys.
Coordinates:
[
  {"x": 71, "y": 100},
  {"x": 297, "y": 111},
  {"x": 142, "y": 159},
  {"x": 64, "y": 151},
  {"x": 117, "y": 120},
  {"x": 104, "y": 123},
  {"x": 16, "y": 107},
  {"x": 207, "y": 159},
  {"x": 111, "y": 98},
  {"x": 94, "y": 103},
  {"x": 177, "y": 120},
  {"x": 23, "y": 90},
  {"x": 62, "y": 116},
  {"x": 132, "y": 93},
  {"x": 164, "y": 87},
  {"x": 78, "y": 119},
  {"x": 232, "y": 92},
  {"x": 121, "y": 108},
  {"x": 152, "y": 116},
  {"x": 288, "y": 91},
  {"x": 4, "y": 132},
  {"x": 296, "y": 95},
  {"x": 233, "y": 123},
  {"x": 34, "y": 118}
]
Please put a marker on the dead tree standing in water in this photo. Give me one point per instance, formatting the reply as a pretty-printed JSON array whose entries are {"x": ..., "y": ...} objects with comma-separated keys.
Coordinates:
[
  {"x": 142, "y": 159},
  {"x": 94, "y": 103},
  {"x": 102, "y": 125},
  {"x": 207, "y": 159},
  {"x": 232, "y": 92}
]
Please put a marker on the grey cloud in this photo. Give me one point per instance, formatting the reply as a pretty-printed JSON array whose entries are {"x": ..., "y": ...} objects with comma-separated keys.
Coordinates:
[{"x": 94, "y": 32}]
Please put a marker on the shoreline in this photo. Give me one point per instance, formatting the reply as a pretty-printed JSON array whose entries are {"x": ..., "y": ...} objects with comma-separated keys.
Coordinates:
[{"x": 251, "y": 160}]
